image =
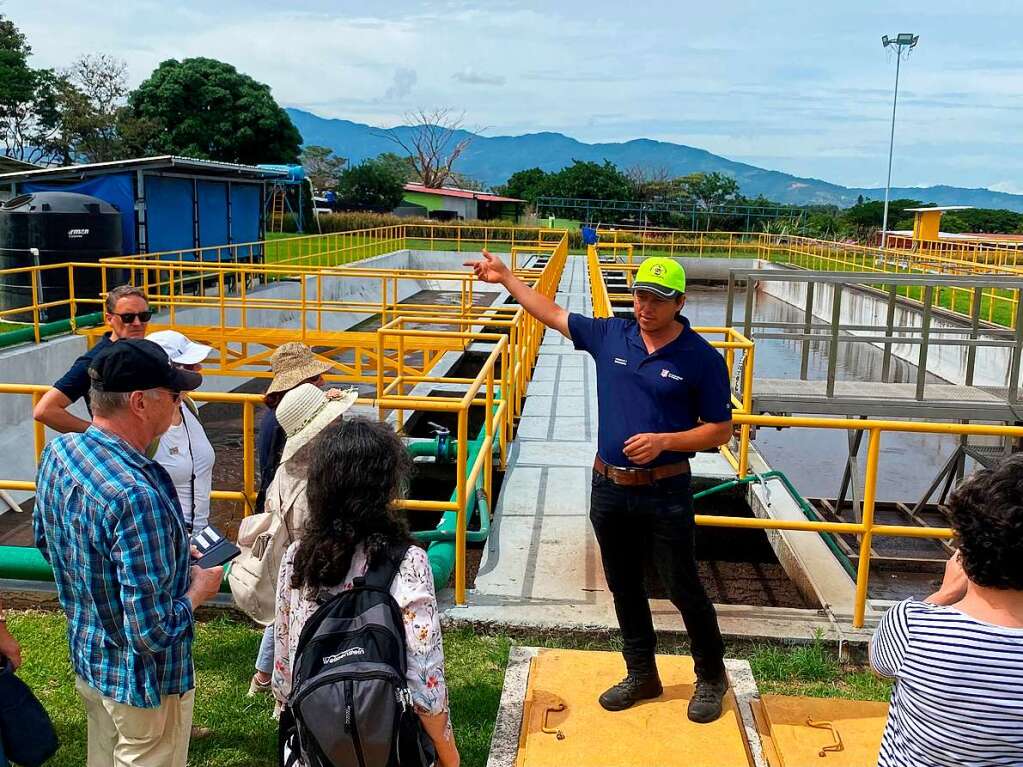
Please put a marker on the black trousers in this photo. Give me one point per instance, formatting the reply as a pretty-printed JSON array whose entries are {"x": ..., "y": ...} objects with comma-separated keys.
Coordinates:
[{"x": 634, "y": 524}]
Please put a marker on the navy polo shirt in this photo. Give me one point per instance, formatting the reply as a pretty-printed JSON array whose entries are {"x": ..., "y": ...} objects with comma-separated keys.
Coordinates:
[
  {"x": 673, "y": 389},
  {"x": 74, "y": 384}
]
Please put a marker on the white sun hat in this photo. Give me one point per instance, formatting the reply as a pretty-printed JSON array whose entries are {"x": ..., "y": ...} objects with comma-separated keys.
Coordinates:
[
  {"x": 306, "y": 410},
  {"x": 179, "y": 348}
]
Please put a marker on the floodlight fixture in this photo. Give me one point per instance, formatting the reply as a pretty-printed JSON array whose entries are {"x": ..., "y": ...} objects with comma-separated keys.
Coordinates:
[{"x": 904, "y": 41}]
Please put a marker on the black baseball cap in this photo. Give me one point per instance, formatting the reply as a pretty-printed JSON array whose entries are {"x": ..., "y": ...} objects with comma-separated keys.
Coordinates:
[{"x": 135, "y": 364}]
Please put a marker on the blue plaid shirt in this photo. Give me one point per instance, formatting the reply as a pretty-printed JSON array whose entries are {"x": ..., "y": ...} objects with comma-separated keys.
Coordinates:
[{"x": 108, "y": 521}]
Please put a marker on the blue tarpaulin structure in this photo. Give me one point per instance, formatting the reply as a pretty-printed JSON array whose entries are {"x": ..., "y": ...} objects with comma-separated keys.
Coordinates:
[
  {"x": 117, "y": 189},
  {"x": 168, "y": 203}
]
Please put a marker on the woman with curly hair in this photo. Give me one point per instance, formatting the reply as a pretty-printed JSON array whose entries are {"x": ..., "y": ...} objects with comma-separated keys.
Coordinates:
[
  {"x": 358, "y": 469},
  {"x": 957, "y": 657}
]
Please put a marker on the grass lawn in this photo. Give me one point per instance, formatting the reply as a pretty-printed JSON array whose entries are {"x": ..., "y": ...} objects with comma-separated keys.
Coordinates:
[{"x": 243, "y": 734}]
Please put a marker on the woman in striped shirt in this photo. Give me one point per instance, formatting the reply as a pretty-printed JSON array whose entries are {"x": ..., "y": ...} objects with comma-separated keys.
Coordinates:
[{"x": 957, "y": 658}]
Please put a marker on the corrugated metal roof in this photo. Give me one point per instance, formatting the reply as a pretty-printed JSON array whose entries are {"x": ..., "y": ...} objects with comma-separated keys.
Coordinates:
[
  {"x": 450, "y": 191},
  {"x": 160, "y": 161},
  {"x": 10, "y": 165}
]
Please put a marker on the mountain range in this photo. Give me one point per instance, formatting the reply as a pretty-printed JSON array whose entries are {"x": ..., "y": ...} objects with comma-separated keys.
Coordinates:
[{"x": 492, "y": 159}]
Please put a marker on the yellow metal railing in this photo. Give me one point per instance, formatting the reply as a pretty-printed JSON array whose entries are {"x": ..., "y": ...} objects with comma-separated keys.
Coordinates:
[
  {"x": 175, "y": 272},
  {"x": 997, "y": 306},
  {"x": 499, "y": 386},
  {"x": 495, "y": 429}
]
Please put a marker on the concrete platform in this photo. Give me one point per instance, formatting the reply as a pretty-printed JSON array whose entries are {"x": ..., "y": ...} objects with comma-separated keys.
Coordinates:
[{"x": 537, "y": 682}]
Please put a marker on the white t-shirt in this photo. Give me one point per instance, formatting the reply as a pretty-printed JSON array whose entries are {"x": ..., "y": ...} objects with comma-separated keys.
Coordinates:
[{"x": 182, "y": 447}]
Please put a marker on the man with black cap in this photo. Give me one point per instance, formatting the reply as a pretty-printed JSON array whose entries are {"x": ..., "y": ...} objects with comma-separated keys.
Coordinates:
[
  {"x": 662, "y": 394},
  {"x": 108, "y": 521}
]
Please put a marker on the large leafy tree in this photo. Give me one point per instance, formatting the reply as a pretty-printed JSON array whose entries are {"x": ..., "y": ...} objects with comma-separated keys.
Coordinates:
[
  {"x": 207, "y": 109},
  {"x": 400, "y": 165},
  {"x": 709, "y": 190},
  {"x": 592, "y": 181},
  {"x": 372, "y": 185},
  {"x": 528, "y": 184},
  {"x": 29, "y": 100}
]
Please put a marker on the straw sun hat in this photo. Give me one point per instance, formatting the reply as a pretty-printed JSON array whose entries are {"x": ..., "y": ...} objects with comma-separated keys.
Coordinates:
[
  {"x": 306, "y": 410},
  {"x": 292, "y": 364}
]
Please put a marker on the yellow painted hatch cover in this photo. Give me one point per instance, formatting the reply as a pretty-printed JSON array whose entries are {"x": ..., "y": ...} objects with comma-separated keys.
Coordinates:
[
  {"x": 829, "y": 732},
  {"x": 563, "y": 725}
]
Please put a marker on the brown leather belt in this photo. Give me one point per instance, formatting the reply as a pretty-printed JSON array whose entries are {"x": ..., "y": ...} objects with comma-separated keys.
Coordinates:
[{"x": 633, "y": 477}]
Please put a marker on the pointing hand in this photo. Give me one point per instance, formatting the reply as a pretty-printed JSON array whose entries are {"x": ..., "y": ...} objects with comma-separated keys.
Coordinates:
[{"x": 489, "y": 268}]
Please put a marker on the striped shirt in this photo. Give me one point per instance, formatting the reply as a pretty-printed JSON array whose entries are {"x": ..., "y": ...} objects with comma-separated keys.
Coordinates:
[
  {"x": 958, "y": 696},
  {"x": 108, "y": 521}
]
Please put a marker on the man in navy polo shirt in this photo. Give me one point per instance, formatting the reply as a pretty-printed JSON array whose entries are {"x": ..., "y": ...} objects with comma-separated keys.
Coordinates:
[{"x": 662, "y": 394}]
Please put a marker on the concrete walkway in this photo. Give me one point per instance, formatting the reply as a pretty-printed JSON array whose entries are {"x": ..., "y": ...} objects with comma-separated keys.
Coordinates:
[{"x": 541, "y": 568}]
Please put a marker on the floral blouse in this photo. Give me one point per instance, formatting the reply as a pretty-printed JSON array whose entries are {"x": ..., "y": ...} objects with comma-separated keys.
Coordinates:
[{"x": 412, "y": 589}]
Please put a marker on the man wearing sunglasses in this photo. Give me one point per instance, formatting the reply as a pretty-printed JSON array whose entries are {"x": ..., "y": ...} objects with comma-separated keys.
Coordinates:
[{"x": 127, "y": 313}]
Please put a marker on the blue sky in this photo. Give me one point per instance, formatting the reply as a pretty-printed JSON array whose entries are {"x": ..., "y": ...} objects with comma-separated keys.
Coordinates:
[{"x": 802, "y": 87}]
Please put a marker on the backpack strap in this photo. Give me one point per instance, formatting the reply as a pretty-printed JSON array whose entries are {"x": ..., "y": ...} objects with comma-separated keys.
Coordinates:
[{"x": 382, "y": 573}]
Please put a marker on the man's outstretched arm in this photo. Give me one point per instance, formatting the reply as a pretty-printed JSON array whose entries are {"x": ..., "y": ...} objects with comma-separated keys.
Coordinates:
[{"x": 491, "y": 269}]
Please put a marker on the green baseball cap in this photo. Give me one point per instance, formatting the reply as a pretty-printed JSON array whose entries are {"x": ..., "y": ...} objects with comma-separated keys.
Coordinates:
[{"x": 664, "y": 277}]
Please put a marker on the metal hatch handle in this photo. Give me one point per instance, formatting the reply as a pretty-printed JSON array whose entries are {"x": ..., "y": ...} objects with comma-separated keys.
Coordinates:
[
  {"x": 550, "y": 730},
  {"x": 833, "y": 747}
]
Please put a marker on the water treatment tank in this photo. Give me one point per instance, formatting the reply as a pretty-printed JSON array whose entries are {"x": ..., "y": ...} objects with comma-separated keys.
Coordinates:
[{"x": 62, "y": 227}]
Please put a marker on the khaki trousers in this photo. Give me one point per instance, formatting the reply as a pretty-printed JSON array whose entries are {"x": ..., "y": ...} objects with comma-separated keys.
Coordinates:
[{"x": 128, "y": 736}]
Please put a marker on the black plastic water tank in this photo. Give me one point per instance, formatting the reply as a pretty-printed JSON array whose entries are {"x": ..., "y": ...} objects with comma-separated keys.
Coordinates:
[{"x": 63, "y": 227}]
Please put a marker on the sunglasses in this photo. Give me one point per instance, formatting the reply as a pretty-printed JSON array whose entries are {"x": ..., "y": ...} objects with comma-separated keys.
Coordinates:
[
  {"x": 175, "y": 395},
  {"x": 128, "y": 318}
]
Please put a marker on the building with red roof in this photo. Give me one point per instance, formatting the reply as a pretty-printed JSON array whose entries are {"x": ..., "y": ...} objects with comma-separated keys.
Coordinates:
[{"x": 451, "y": 203}]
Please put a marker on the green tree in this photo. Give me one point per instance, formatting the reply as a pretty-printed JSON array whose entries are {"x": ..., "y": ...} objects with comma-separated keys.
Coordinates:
[
  {"x": 982, "y": 220},
  {"x": 528, "y": 184},
  {"x": 322, "y": 166},
  {"x": 870, "y": 214},
  {"x": 205, "y": 108},
  {"x": 29, "y": 100},
  {"x": 371, "y": 185},
  {"x": 708, "y": 190},
  {"x": 401, "y": 165},
  {"x": 591, "y": 181}
]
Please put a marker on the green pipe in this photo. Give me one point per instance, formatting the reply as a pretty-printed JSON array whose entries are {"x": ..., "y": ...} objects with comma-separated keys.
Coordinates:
[
  {"x": 442, "y": 552},
  {"x": 24, "y": 563},
  {"x": 47, "y": 329},
  {"x": 808, "y": 510}
]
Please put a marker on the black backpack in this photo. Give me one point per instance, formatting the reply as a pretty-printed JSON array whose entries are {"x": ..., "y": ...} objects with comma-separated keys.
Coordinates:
[{"x": 349, "y": 704}]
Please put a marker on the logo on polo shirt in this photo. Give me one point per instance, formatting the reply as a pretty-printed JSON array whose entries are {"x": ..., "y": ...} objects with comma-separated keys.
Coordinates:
[
  {"x": 665, "y": 373},
  {"x": 620, "y": 361}
]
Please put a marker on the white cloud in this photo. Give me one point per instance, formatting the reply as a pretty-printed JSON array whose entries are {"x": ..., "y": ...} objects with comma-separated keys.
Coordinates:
[
  {"x": 470, "y": 76},
  {"x": 809, "y": 93},
  {"x": 1011, "y": 187}
]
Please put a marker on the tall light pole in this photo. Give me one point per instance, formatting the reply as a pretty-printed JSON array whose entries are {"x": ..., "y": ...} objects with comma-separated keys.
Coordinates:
[{"x": 904, "y": 41}]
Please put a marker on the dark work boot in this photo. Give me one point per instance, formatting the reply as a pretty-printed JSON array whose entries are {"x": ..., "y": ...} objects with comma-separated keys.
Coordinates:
[
  {"x": 631, "y": 690},
  {"x": 706, "y": 703}
]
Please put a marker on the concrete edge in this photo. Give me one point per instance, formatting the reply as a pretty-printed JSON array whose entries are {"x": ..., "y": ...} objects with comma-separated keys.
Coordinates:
[
  {"x": 787, "y": 625},
  {"x": 744, "y": 687},
  {"x": 504, "y": 743}
]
